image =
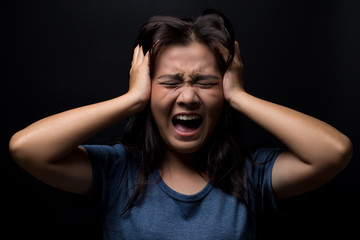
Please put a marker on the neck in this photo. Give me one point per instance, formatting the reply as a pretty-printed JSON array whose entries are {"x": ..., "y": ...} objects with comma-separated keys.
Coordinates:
[
  {"x": 176, "y": 160},
  {"x": 179, "y": 173}
]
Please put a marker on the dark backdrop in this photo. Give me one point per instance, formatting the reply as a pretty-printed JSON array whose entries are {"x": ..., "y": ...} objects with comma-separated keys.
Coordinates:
[{"x": 64, "y": 54}]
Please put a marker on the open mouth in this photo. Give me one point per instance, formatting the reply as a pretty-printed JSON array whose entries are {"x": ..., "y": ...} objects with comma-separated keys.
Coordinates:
[{"x": 187, "y": 123}]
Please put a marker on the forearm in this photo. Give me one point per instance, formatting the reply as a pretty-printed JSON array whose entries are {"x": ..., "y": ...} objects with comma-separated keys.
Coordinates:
[
  {"x": 52, "y": 138},
  {"x": 312, "y": 140}
]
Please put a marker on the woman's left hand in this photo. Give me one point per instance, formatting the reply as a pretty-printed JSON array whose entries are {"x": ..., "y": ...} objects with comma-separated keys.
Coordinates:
[
  {"x": 233, "y": 77},
  {"x": 317, "y": 152}
]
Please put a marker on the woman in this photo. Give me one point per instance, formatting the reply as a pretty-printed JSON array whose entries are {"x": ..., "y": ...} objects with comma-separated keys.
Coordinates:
[{"x": 180, "y": 171}]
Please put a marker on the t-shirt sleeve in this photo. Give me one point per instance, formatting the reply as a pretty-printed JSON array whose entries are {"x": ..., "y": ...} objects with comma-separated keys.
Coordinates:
[
  {"x": 109, "y": 165},
  {"x": 259, "y": 171}
]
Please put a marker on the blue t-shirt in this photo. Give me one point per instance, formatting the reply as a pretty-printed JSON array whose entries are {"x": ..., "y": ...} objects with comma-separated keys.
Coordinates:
[{"x": 162, "y": 213}]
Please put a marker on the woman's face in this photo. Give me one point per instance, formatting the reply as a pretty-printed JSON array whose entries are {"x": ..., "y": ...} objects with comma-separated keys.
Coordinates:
[{"x": 186, "y": 96}]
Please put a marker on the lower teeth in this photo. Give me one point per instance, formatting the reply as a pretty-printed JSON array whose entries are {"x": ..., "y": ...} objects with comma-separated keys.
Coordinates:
[{"x": 186, "y": 125}]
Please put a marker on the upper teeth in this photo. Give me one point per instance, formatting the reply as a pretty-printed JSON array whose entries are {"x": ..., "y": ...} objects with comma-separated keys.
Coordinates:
[{"x": 187, "y": 117}]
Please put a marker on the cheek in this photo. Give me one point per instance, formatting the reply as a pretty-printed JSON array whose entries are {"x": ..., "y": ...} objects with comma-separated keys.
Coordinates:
[
  {"x": 214, "y": 102},
  {"x": 160, "y": 104},
  {"x": 157, "y": 93},
  {"x": 156, "y": 107}
]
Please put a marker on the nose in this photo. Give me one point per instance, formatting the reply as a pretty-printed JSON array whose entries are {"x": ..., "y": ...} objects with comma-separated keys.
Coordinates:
[{"x": 188, "y": 96}]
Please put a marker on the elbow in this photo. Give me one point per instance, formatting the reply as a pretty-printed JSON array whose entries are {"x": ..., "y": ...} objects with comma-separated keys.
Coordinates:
[
  {"x": 343, "y": 152},
  {"x": 16, "y": 148},
  {"x": 19, "y": 150}
]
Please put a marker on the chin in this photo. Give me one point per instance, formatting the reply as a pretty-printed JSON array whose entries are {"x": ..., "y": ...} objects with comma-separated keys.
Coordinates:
[{"x": 186, "y": 147}]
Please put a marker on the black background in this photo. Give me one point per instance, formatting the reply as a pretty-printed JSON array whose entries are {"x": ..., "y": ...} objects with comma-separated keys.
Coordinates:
[{"x": 64, "y": 54}]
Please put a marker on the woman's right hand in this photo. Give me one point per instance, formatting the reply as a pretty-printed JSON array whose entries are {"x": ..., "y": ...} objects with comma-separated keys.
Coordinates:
[
  {"x": 140, "y": 82},
  {"x": 49, "y": 148}
]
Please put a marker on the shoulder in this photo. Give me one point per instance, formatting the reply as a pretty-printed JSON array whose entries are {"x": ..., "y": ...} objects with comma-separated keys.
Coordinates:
[
  {"x": 259, "y": 167},
  {"x": 265, "y": 155},
  {"x": 111, "y": 171},
  {"x": 259, "y": 164},
  {"x": 105, "y": 150},
  {"x": 107, "y": 156},
  {"x": 97, "y": 152}
]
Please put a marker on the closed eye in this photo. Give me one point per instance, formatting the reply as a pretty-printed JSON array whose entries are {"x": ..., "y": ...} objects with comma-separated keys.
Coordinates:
[
  {"x": 206, "y": 83},
  {"x": 176, "y": 80},
  {"x": 170, "y": 81},
  {"x": 170, "y": 84}
]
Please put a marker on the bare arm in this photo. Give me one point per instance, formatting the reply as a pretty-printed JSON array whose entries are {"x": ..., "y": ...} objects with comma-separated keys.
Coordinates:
[
  {"x": 317, "y": 150},
  {"x": 49, "y": 148}
]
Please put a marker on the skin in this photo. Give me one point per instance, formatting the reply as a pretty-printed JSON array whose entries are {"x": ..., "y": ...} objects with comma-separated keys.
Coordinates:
[
  {"x": 186, "y": 81},
  {"x": 317, "y": 151}
]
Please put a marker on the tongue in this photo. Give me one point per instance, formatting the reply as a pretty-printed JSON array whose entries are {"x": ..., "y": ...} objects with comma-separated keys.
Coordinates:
[{"x": 185, "y": 128}]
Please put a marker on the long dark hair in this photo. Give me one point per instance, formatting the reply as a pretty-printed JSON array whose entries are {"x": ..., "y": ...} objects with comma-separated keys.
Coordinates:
[{"x": 222, "y": 156}]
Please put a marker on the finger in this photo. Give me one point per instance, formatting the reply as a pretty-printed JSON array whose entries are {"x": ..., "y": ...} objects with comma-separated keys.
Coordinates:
[
  {"x": 146, "y": 58},
  {"x": 237, "y": 49},
  {"x": 140, "y": 56},
  {"x": 223, "y": 51},
  {"x": 237, "y": 56},
  {"x": 135, "y": 54}
]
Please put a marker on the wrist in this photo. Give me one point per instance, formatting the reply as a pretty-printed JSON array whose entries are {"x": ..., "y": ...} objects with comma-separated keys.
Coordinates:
[
  {"x": 136, "y": 103},
  {"x": 237, "y": 99}
]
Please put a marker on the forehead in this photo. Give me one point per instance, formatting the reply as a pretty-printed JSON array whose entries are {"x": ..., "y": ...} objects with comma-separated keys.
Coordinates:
[{"x": 189, "y": 59}]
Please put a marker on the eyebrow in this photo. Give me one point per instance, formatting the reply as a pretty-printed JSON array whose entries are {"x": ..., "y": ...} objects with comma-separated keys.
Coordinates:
[
  {"x": 198, "y": 77},
  {"x": 172, "y": 76},
  {"x": 195, "y": 77}
]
